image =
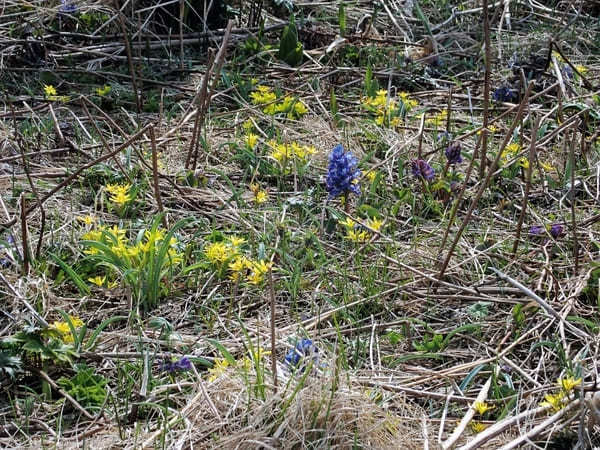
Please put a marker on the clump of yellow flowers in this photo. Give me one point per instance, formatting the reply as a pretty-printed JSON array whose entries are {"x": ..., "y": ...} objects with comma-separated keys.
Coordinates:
[
  {"x": 272, "y": 104},
  {"x": 63, "y": 329},
  {"x": 119, "y": 194},
  {"x": 481, "y": 408},
  {"x": 356, "y": 233},
  {"x": 388, "y": 111},
  {"x": 293, "y": 151},
  {"x": 260, "y": 195},
  {"x": 50, "y": 94},
  {"x": 128, "y": 258},
  {"x": 228, "y": 256},
  {"x": 222, "y": 365},
  {"x": 558, "y": 401}
]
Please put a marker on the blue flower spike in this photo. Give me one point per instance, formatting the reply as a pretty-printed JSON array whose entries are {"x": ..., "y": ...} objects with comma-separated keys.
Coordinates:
[
  {"x": 303, "y": 352},
  {"x": 421, "y": 169},
  {"x": 453, "y": 153},
  {"x": 342, "y": 173},
  {"x": 180, "y": 365}
]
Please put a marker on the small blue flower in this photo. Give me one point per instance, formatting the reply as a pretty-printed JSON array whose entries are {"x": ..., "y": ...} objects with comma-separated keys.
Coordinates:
[
  {"x": 453, "y": 153},
  {"x": 342, "y": 173},
  {"x": 444, "y": 136},
  {"x": 421, "y": 169},
  {"x": 557, "y": 230},
  {"x": 505, "y": 94},
  {"x": 67, "y": 6},
  {"x": 304, "y": 349},
  {"x": 567, "y": 71},
  {"x": 182, "y": 364}
]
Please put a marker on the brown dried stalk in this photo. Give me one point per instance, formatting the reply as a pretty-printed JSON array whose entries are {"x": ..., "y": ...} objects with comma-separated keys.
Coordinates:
[
  {"x": 534, "y": 131},
  {"x": 485, "y": 183}
]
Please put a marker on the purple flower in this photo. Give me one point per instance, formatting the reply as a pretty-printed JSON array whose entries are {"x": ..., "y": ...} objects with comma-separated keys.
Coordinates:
[
  {"x": 67, "y": 6},
  {"x": 421, "y": 169},
  {"x": 305, "y": 348},
  {"x": 505, "y": 94},
  {"x": 182, "y": 364},
  {"x": 453, "y": 153},
  {"x": 342, "y": 173},
  {"x": 557, "y": 230},
  {"x": 536, "y": 230}
]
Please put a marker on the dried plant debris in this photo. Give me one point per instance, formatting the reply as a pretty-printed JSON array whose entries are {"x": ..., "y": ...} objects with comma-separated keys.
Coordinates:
[{"x": 284, "y": 224}]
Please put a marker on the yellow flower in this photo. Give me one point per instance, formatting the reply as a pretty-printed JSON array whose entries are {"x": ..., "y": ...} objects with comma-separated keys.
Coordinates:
[
  {"x": 120, "y": 198},
  {"x": 524, "y": 163},
  {"x": 547, "y": 167},
  {"x": 371, "y": 175},
  {"x": 217, "y": 252},
  {"x": 248, "y": 125},
  {"x": 357, "y": 236},
  {"x": 118, "y": 233},
  {"x": 49, "y": 90},
  {"x": 259, "y": 269},
  {"x": 581, "y": 69},
  {"x": 98, "y": 280},
  {"x": 569, "y": 383},
  {"x": 477, "y": 427},
  {"x": 300, "y": 108},
  {"x": 92, "y": 235},
  {"x": 348, "y": 223},
  {"x": 119, "y": 193},
  {"x": 219, "y": 368},
  {"x": 260, "y": 353},
  {"x": 510, "y": 151},
  {"x": 64, "y": 330},
  {"x": 491, "y": 130},
  {"x": 251, "y": 140},
  {"x": 408, "y": 102},
  {"x": 87, "y": 220},
  {"x": 375, "y": 224},
  {"x": 261, "y": 196},
  {"x": 236, "y": 241},
  {"x": 263, "y": 95},
  {"x": 554, "y": 401},
  {"x": 439, "y": 119},
  {"x": 104, "y": 90},
  {"x": 482, "y": 407},
  {"x": 237, "y": 266},
  {"x": 154, "y": 235}
]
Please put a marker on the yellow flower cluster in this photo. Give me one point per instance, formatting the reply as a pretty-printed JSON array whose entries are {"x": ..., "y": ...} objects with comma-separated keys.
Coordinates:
[
  {"x": 63, "y": 328},
  {"x": 439, "y": 120},
  {"x": 221, "y": 365},
  {"x": 238, "y": 265},
  {"x": 104, "y": 90},
  {"x": 286, "y": 152},
  {"x": 251, "y": 140},
  {"x": 292, "y": 107},
  {"x": 50, "y": 93},
  {"x": 119, "y": 193},
  {"x": 558, "y": 401},
  {"x": 355, "y": 233},
  {"x": 260, "y": 195},
  {"x": 387, "y": 110},
  {"x": 135, "y": 255}
]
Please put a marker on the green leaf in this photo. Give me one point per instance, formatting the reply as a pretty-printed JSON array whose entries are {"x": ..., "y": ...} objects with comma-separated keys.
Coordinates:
[
  {"x": 290, "y": 50},
  {"x": 342, "y": 19},
  {"x": 81, "y": 286},
  {"x": 90, "y": 343},
  {"x": 230, "y": 359}
]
